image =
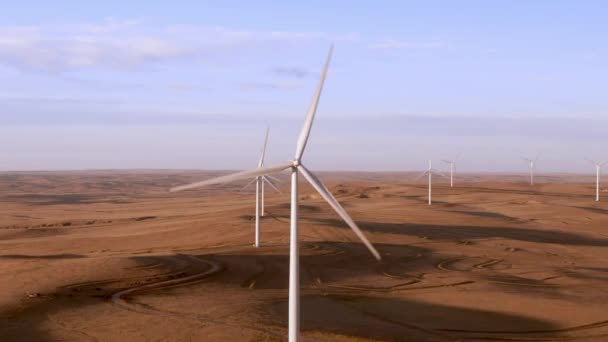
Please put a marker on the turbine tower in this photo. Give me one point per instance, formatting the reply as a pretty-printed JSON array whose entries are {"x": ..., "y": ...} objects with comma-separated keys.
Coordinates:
[
  {"x": 261, "y": 165},
  {"x": 598, "y": 171},
  {"x": 452, "y": 164},
  {"x": 265, "y": 179},
  {"x": 531, "y": 166},
  {"x": 296, "y": 167},
  {"x": 430, "y": 172},
  {"x": 259, "y": 191}
]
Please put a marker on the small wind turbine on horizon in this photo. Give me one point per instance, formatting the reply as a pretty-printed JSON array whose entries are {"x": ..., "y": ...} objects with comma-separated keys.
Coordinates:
[
  {"x": 452, "y": 164},
  {"x": 531, "y": 166},
  {"x": 296, "y": 167},
  {"x": 598, "y": 171},
  {"x": 430, "y": 171},
  {"x": 259, "y": 190}
]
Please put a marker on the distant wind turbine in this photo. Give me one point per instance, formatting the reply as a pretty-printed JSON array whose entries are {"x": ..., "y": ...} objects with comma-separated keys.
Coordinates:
[
  {"x": 259, "y": 190},
  {"x": 430, "y": 172},
  {"x": 531, "y": 166},
  {"x": 598, "y": 171},
  {"x": 452, "y": 164},
  {"x": 296, "y": 167}
]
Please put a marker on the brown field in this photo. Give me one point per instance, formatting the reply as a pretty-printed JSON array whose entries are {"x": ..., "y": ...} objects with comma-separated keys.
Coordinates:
[{"x": 111, "y": 256}]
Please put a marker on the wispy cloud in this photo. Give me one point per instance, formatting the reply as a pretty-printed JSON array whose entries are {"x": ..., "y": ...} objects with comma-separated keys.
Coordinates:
[
  {"x": 131, "y": 44},
  {"x": 560, "y": 128},
  {"x": 125, "y": 45},
  {"x": 60, "y": 50},
  {"x": 182, "y": 87},
  {"x": 101, "y": 84},
  {"x": 271, "y": 85},
  {"x": 395, "y": 44},
  {"x": 39, "y": 101},
  {"x": 293, "y": 71}
]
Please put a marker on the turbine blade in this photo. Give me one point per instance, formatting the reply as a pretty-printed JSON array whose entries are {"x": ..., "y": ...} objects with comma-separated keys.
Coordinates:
[
  {"x": 333, "y": 202},
  {"x": 267, "y": 180},
  {"x": 248, "y": 184},
  {"x": 526, "y": 159},
  {"x": 424, "y": 173},
  {"x": 310, "y": 117},
  {"x": 439, "y": 173},
  {"x": 537, "y": 157},
  {"x": 446, "y": 161},
  {"x": 591, "y": 161},
  {"x": 261, "y": 162},
  {"x": 274, "y": 179},
  {"x": 233, "y": 177}
]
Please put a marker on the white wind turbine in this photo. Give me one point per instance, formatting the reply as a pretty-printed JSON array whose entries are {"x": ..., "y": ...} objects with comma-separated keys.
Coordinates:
[
  {"x": 531, "y": 166},
  {"x": 430, "y": 172},
  {"x": 296, "y": 167},
  {"x": 598, "y": 171},
  {"x": 452, "y": 164},
  {"x": 259, "y": 191}
]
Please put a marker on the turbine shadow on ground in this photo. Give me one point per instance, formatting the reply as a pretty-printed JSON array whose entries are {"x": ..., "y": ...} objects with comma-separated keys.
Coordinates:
[
  {"x": 395, "y": 319},
  {"x": 27, "y": 323},
  {"x": 457, "y": 232},
  {"x": 330, "y": 304},
  {"x": 532, "y": 192},
  {"x": 268, "y": 268},
  {"x": 342, "y": 287}
]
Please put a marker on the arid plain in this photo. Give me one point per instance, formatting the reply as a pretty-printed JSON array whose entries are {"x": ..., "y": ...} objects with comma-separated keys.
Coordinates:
[{"x": 112, "y": 256}]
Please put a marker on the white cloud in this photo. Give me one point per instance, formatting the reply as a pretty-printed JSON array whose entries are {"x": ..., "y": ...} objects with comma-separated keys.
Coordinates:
[{"x": 123, "y": 45}]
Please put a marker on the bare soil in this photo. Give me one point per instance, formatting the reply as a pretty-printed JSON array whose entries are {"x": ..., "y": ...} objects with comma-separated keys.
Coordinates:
[{"x": 112, "y": 256}]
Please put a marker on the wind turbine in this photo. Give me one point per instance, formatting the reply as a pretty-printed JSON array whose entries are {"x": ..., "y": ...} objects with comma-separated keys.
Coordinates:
[
  {"x": 452, "y": 164},
  {"x": 430, "y": 173},
  {"x": 296, "y": 167},
  {"x": 531, "y": 166},
  {"x": 259, "y": 191},
  {"x": 598, "y": 170}
]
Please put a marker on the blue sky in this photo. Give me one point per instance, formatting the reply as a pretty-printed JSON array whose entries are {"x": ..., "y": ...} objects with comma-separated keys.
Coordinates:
[{"x": 143, "y": 84}]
